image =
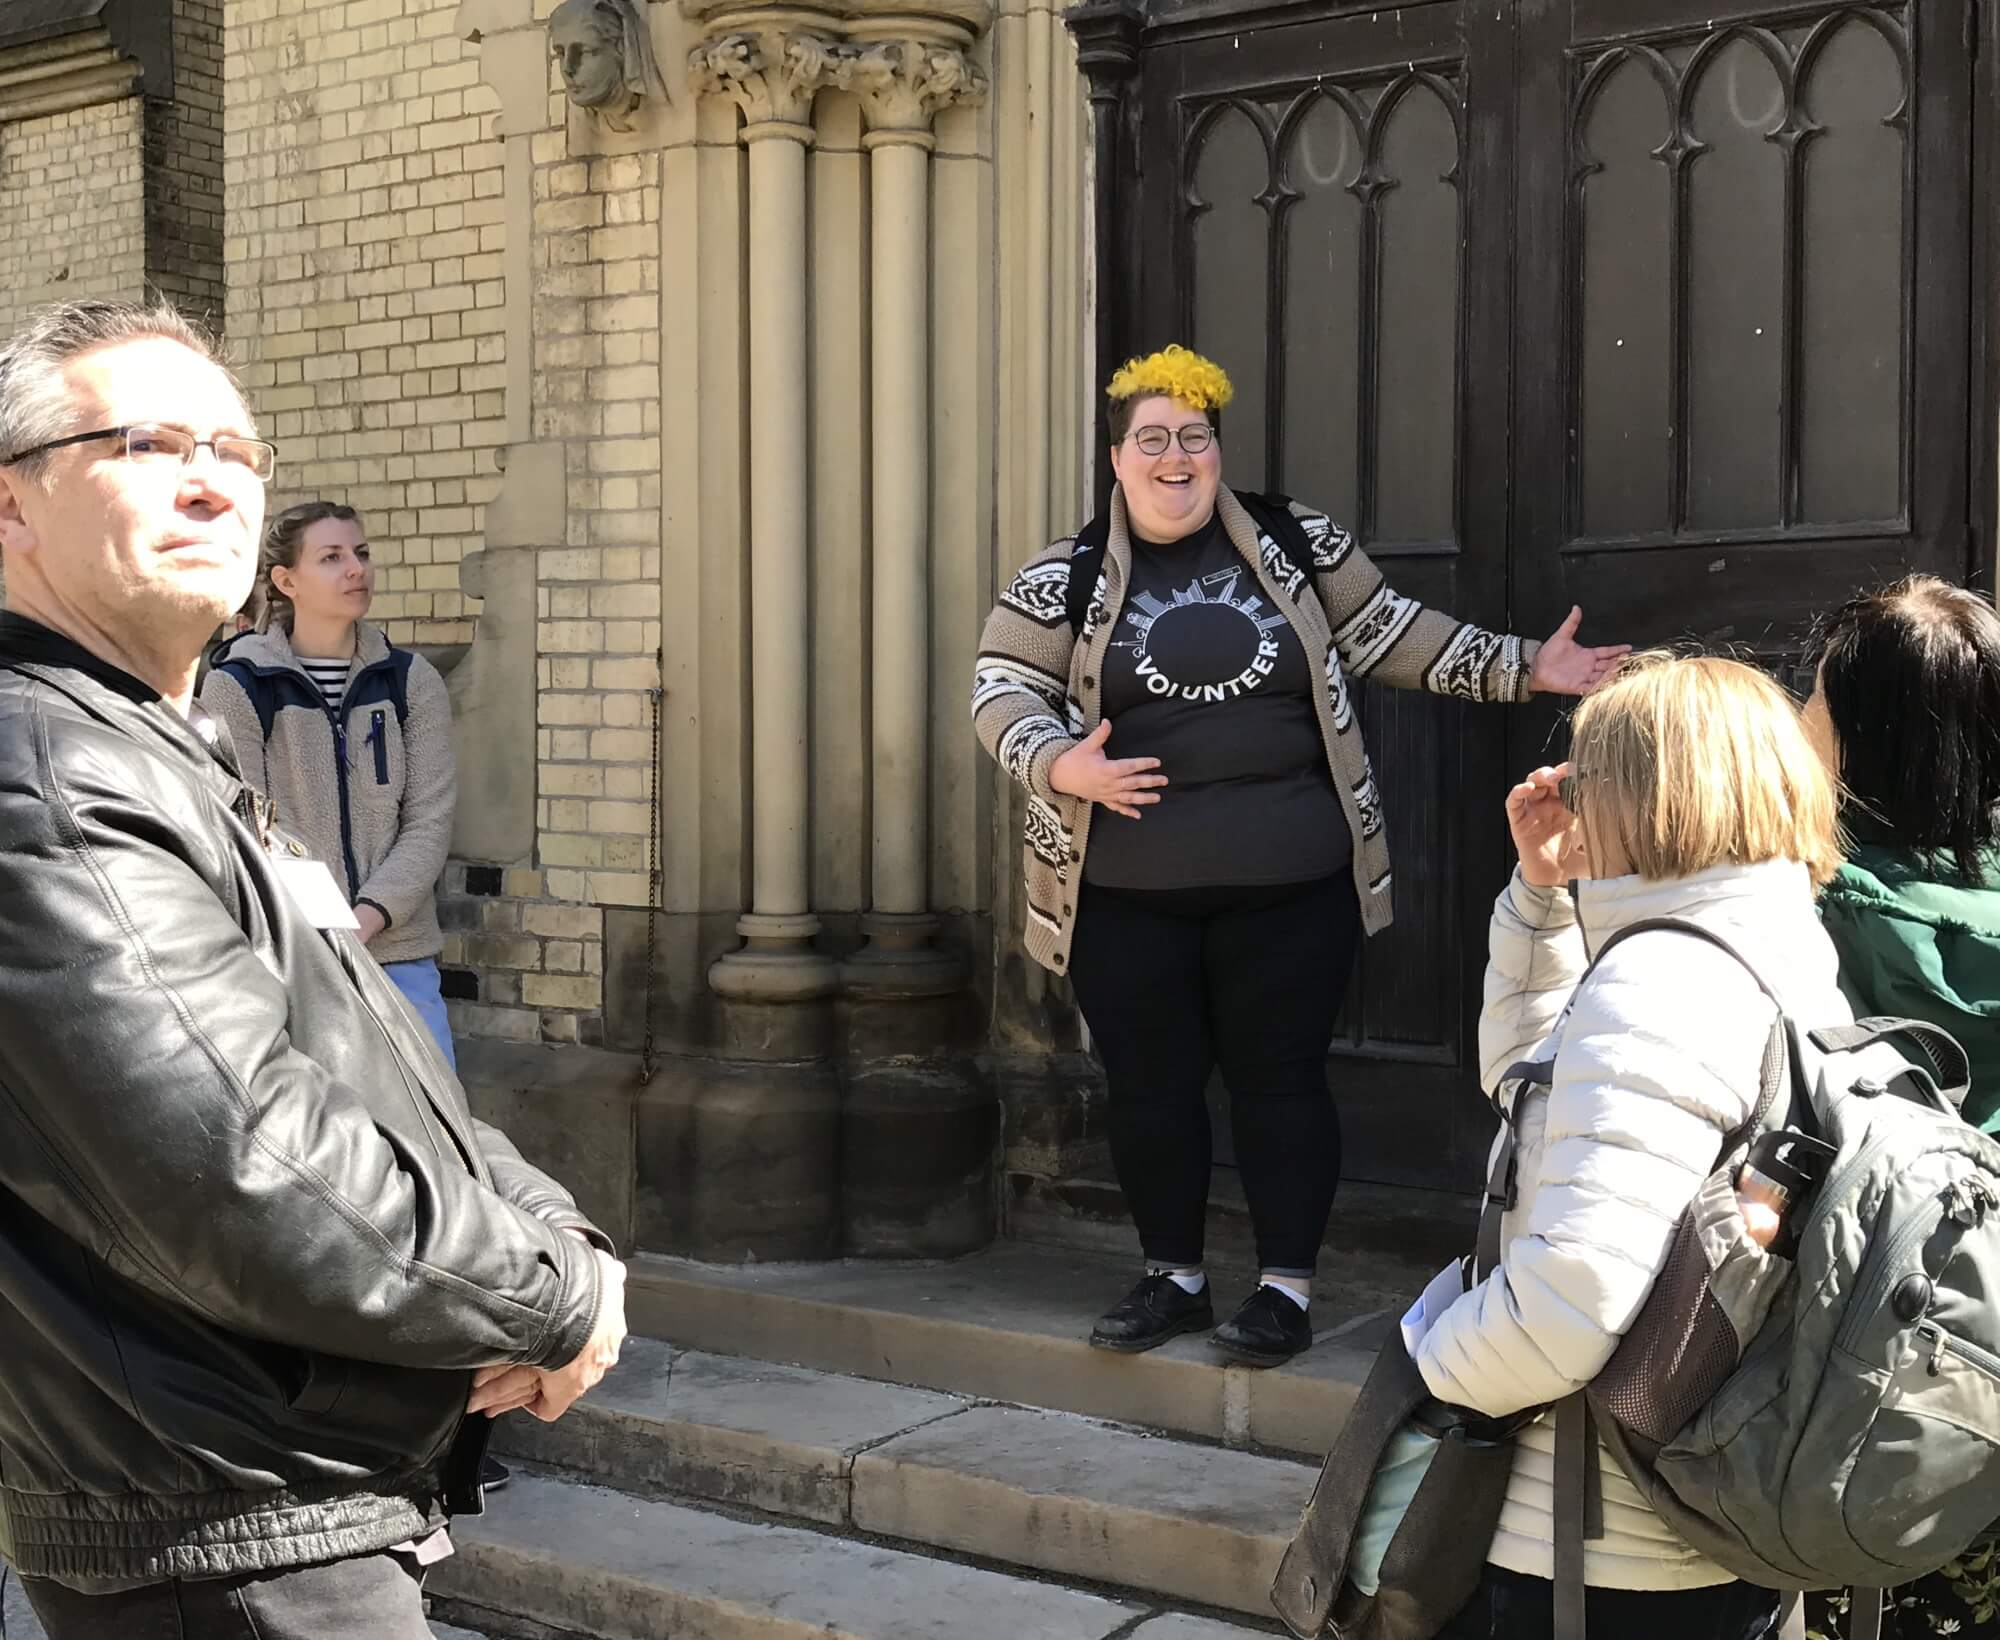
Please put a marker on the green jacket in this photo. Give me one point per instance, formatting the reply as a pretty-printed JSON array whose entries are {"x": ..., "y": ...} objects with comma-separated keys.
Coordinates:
[{"x": 1924, "y": 949}]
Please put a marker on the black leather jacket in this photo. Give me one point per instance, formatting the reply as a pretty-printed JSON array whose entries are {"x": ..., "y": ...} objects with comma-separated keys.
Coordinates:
[{"x": 252, "y": 1242}]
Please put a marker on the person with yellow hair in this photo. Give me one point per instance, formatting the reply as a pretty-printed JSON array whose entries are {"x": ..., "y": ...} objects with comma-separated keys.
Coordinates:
[{"x": 1215, "y": 920}]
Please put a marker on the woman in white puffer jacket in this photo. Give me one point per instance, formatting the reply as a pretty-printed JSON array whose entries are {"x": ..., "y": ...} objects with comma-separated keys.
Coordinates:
[{"x": 1700, "y": 799}]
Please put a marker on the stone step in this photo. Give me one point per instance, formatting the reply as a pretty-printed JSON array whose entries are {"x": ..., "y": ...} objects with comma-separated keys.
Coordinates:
[
  {"x": 1049, "y": 1491},
  {"x": 583, "y": 1560},
  {"x": 1012, "y": 1324},
  {"x": 777, "y": 1438},
  {"x": 1381, "y": 1240}
]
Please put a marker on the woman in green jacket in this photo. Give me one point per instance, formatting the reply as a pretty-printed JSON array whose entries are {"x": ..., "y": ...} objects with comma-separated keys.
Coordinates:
[{"x": 1906, "y": 711}]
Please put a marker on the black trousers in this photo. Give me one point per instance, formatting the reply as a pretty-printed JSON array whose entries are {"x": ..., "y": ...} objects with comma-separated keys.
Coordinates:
[
  {"x": 1513, "y": 1606},
  {"x": 1175, "y": 982},
  {"x": 371, "y": 1597}
]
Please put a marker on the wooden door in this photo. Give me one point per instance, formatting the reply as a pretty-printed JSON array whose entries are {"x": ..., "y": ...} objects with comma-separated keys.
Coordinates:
[
  {"x": 1753, "y": 224},
  {"x": 1664, "y": 307}
]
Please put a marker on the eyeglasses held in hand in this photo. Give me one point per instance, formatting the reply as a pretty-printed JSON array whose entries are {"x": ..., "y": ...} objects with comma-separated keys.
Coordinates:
[
  {"x": 1153, "y": 441},
  {"x": 153, "y": 445}
]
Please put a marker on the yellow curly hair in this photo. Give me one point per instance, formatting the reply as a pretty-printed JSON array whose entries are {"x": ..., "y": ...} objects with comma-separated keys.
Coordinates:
[{"x": 1178, "y": 372}]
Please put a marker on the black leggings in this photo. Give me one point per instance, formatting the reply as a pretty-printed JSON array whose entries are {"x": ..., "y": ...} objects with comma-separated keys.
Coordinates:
[{"x": 1175, "y": 981}]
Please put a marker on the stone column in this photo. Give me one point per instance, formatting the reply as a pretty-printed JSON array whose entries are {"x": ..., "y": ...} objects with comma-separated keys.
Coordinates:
[
  {"x": 902, "y": 84},
  {"x": 773, "y": 76},
  {"x": 740, "y": 1157}
]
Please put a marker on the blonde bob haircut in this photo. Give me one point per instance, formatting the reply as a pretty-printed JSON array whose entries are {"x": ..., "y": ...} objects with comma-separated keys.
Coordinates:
[{"x": 1691, "y": 762}]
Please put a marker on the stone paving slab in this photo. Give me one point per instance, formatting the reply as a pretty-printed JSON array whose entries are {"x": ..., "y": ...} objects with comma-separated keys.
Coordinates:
[
  {"x": 776, "y": 1438},
  {"x": 1063, "y": 1494},
  {"x": 606, "y": 1564},
  {"x": 1007, "y": 1324}
]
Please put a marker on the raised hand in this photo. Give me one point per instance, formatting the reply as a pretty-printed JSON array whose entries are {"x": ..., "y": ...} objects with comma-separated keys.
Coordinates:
[
  {"x": 1566, "y": 667},
  {"x": 1546, "y": 835},
  {"x": 1122, "y": 784}
]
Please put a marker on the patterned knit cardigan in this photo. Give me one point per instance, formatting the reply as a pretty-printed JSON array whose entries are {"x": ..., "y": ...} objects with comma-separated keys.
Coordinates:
[{"x": 1035, "y": 691}]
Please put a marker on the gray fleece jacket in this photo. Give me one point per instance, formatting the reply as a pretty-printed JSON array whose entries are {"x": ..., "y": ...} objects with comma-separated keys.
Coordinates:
[{"x": 371, "y": 789}]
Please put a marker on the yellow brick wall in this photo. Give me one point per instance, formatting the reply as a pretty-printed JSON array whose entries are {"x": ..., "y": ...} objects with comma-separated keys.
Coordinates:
[
  {"x": 184, "y": 167},
  {"x": 364, "y": 278},
  {"x": 596, "y": 260},
  {"x": 367, "y": 266},
  {"x": 72, "y": 208}
]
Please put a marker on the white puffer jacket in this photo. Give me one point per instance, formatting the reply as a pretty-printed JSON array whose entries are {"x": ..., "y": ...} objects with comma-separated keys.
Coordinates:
[{"x": 1656, "y": 1059}]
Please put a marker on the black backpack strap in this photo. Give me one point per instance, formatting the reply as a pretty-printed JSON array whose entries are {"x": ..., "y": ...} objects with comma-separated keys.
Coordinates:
[
  {"x": 1503, "y": 1178},
  {"x": 1086, "y": 563},
  {"x": 1941, "y": 1050},
  {"x": 1782, "y": 1067},
  {"x": 1578, "y": 1511},
  {"x": 1273, "y": 514},
  {"x": 1675, "y": 925}
]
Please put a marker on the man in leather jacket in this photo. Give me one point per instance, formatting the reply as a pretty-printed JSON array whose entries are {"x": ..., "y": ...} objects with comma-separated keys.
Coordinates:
[{"x": 263, "y": 1278}]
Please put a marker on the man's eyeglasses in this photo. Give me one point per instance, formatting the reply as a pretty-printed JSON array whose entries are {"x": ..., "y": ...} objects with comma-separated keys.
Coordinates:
[
  {"x": 157, "y": 446},
  {"x": 1196, "y": 437}
]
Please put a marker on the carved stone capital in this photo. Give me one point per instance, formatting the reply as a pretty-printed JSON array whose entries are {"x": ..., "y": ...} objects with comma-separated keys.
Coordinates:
[
  {"x": 772, "y": 77},
  {"x": 904, "y": 83}
]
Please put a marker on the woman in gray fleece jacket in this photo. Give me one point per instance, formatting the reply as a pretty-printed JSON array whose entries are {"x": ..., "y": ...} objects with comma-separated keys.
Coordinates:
[{"x": 350, "y": 737}]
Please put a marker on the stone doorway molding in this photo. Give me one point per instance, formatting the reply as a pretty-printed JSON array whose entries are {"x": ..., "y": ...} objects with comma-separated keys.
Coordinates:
[
  {"x": 904, "y": 64},
  {"x": 905, "y": 70}
]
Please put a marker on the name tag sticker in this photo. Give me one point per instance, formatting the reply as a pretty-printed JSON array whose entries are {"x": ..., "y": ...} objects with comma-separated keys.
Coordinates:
[{"x": 315, "y": 893}]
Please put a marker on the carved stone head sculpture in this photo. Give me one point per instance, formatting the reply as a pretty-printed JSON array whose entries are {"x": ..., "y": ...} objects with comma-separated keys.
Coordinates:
[{"x": 605, "y": 51}]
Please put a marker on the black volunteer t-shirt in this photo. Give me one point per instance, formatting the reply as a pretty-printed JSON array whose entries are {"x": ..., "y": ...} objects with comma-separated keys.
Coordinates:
[{"x": 1204, "y": 674}]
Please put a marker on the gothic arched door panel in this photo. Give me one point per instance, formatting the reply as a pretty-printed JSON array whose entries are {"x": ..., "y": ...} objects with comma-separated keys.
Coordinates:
[{"x": 1755, "y": 216}]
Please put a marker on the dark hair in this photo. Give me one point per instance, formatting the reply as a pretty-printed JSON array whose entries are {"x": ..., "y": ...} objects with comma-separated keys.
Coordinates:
[
  {"x": 1119, "y": 422},
  {"x": 1911, "y": 676},
  {"x": 284, "y": 540}
]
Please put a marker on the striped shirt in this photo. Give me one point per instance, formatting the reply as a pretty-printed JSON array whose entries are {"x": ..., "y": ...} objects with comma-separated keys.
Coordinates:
[{"x": 331, "y": 676}]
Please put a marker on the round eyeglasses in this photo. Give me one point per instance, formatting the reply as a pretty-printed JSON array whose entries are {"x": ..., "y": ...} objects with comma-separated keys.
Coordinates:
[
  {"x": 155, "y": 445},
  {"x": 1194, "y": 438}
]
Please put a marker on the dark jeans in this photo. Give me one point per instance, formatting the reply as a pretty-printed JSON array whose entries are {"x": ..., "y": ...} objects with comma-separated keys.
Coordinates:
[
  {"x": 1177, "y": 981},
  {"x": 1513, "y": 1606},
  {"x": 371, "y": 1597}
]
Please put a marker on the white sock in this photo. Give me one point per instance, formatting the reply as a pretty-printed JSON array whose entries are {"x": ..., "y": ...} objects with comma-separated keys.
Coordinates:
[
  {"x": 1303, "y": 1300},
  {"x": 1189, "y": 1281}
]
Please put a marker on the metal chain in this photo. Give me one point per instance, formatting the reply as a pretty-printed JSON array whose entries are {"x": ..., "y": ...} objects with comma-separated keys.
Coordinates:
[{"x": 648, "y": 1063}]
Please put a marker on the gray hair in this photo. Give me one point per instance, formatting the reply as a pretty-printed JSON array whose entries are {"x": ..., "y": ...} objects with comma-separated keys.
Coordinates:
[{"x": 34, "y": 397}]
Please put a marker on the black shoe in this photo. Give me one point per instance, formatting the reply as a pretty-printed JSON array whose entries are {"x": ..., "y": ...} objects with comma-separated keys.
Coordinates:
[
  {"x": 493, "y": 1475},
  {"x": 1269, "y": 1329},
  {"x": 1157, "y": 1309}
]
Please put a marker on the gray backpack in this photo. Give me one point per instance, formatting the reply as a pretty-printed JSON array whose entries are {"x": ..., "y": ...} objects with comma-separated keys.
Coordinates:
[
  {"x": 1817, "y": 1421},
  {"x": 1830, "y": 1419}
]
